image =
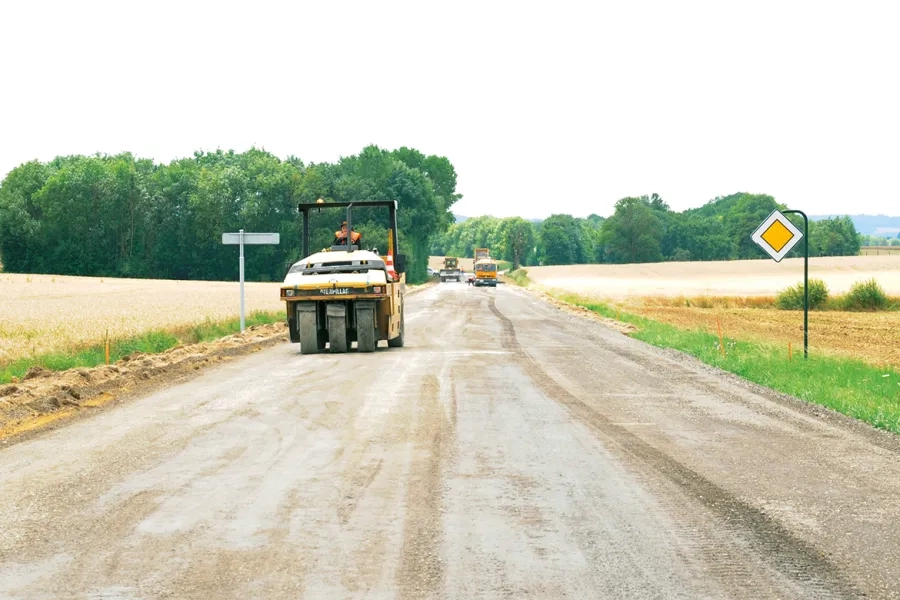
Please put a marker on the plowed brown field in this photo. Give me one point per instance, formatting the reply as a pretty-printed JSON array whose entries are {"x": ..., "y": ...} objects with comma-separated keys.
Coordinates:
[{"x": 873, "y": 337}]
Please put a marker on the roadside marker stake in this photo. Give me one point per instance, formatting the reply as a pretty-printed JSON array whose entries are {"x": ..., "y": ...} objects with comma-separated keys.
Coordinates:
[
  {"x": 777, "y": 236},
  {"x": 721, "y": 341}
]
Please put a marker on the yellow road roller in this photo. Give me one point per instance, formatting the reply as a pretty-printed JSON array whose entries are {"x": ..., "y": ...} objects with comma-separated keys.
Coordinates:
[{"x": 346, "y": 294}]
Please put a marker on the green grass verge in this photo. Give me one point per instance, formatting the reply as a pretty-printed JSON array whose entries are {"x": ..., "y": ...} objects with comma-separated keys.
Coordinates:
[
  {"x": 851, "y": 387},
  {"x": 519, "y": 277},
  {"x": 152, "y": 342}
]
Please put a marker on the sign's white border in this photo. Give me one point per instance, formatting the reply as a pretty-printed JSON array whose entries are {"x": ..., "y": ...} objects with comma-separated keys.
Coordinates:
[
  {"x": 251, "y": 238},
  {"x": 777, "y": 216}
]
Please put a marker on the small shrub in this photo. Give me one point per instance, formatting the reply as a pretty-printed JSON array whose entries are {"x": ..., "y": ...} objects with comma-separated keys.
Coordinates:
[
  {"x": 519, "y": 277},
  {"x": 866, "y": 295},
  {"x": 682, "y": 255},
  {"x": 792, "y": 297}
]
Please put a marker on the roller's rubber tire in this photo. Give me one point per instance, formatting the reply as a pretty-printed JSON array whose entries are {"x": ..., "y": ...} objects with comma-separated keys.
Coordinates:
[
  {"x": 309, "y": 339},
  {"x": 337, "y": 334},
  {"x": 397, "y": 342},
  {"x": 366, "y": 340}
]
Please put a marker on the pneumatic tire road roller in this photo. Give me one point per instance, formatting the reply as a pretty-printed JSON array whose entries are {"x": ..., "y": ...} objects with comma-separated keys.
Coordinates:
[{"x": 345, "y": 294}]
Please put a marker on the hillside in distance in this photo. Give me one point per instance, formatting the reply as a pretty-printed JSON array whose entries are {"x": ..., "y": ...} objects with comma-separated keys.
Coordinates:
[
  {"x": 882, "y": 225},
  {"x": 463, "y": 219}
]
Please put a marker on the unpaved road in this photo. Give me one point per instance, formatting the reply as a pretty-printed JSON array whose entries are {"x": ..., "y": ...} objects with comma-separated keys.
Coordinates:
[{"x": 510, "y": 450}]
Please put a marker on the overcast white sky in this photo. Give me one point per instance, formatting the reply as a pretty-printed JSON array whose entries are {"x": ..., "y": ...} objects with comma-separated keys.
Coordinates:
[{"x": 552, "y": 107}]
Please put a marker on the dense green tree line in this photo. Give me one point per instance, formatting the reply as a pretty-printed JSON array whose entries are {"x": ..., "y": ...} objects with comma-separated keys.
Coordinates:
[
  {"x": 128, "y": 217},
  {"x": 122, "y": 216},
  {"x": 879, "y": 240},
  {"x": 642, "y": 229}
]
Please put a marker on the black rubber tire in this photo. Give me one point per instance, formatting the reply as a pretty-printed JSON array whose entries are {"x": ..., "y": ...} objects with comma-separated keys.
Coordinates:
[
  {"x": 366, "y": 340},
  {"x": 397, "y": 342},
  {"x": 337, "y": 334},
  {"x": 309, "y": 339}
]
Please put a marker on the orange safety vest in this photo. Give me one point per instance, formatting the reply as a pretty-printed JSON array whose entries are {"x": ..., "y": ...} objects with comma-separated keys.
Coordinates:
[{"x": 340, "y": 235}]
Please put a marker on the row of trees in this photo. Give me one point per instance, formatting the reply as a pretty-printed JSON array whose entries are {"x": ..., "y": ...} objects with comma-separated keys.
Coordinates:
[
  {"x": 128, "y": 217},
  {"x": 879, "y": 240},
  {"x": 641, "y": 229}
]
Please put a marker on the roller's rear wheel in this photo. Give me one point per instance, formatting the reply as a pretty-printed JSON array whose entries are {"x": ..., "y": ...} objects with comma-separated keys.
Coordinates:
[
  {"x": 337, "y": 329},
  {"x": 365, "y": 328},
  {"x": 309, "y": 338},
  {"x": 397, "y": 342}
]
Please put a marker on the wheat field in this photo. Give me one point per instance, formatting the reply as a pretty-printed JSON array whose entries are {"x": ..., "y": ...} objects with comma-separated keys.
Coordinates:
[
  {"x": 731, "y": 295},
  {"x": 721, "y": 278},
  {"x": 880, "y": 251},
  {"x": 49, "y": 313}
]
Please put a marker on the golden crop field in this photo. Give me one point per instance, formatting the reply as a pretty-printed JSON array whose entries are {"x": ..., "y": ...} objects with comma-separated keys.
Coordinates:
[
  {"x": 880, "y": 251},
  {"x": 721, "y": 278},
  {"x": 48, "y": 313},
  {"x": 737, "y": 289}
]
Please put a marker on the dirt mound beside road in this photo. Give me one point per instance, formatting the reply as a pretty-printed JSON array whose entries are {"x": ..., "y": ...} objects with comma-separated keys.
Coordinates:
[{"x": 44, "y": 397}]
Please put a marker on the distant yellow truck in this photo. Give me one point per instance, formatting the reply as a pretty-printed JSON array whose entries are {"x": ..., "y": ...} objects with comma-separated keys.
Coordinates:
[{"x": 485, "y": 272}]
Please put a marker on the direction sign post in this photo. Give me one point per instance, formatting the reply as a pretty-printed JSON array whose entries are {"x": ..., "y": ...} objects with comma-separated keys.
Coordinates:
[
  {"x": 777, "y": 236},
  {"x": 240, "y": 238}
]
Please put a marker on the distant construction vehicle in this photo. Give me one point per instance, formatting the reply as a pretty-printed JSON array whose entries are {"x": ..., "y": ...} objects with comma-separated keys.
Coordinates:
[
  {"x": 485, "y": 272},
  {"x": 451, "y": 270},
  {"x": 346, "y": 294}
]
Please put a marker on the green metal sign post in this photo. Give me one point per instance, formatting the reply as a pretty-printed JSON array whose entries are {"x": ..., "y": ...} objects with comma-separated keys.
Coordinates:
[
  {"x": 778, "y": 236},
  {"x": 805, "y": 278}
]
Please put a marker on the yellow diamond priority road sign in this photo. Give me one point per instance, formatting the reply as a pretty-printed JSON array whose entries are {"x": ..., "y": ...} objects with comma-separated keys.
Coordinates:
[{"x": 777, "y": 236}]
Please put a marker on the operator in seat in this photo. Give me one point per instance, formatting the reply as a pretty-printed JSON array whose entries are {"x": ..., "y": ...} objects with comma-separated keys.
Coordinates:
[{"x": 340, "y": 236}]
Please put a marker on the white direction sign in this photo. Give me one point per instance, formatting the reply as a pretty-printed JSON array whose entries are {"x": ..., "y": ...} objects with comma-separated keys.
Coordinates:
[
  {"x": 251, "y": 238},
  {"x": 242, "y": 239},
  {"x": 777, "y": 236}
]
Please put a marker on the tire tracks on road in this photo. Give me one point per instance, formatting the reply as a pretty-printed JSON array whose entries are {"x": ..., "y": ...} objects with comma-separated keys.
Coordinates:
[
  {"x": 801, "y": 566},
  {"x": 421, "y": 572}
]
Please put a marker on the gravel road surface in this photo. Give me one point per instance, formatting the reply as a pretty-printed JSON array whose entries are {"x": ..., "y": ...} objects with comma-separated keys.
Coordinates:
[{"x": 510, "y": 450}]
